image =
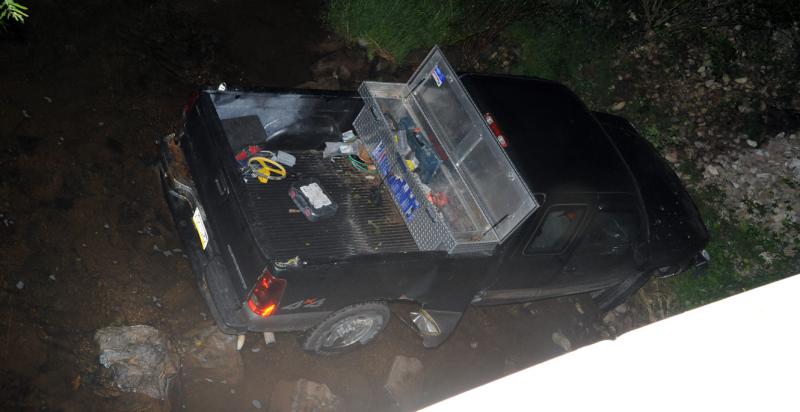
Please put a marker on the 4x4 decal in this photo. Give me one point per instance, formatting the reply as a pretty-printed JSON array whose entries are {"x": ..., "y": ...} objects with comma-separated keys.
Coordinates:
[{"x": 305, "y": 304}]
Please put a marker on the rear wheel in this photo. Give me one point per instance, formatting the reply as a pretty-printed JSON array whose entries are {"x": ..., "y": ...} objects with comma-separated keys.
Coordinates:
[{"x": 347, "y": 329}]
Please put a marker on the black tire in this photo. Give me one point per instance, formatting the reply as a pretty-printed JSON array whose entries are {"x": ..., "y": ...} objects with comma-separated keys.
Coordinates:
[
  {"x": 614, "y": 296},
  {"x": 347, "y": 329}
]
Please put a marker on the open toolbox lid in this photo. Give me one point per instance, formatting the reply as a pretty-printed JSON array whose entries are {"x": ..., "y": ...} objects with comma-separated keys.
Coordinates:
[
  {"x": 471, "y": 194},
  {"x": 470, "y": 145}
]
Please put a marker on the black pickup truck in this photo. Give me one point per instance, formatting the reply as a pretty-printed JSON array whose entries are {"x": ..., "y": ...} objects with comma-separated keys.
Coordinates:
[{"x": 462, "y": 190}]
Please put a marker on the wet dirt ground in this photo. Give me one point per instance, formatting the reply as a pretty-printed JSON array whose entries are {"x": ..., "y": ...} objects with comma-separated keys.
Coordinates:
[{"x": 88, "y": 87}]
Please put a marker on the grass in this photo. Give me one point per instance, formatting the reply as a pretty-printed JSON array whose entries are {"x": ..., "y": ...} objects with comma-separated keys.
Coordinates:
[
  {"x": 557, "y": 43},
  {"x": 393, "y": 28},
  {"x": 575, "y": 43},
  {"x": 574, "y": 54}
]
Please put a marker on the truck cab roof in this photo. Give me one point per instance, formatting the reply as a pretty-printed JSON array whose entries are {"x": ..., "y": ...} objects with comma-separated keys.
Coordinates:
[{"x": 553, "y": 140}]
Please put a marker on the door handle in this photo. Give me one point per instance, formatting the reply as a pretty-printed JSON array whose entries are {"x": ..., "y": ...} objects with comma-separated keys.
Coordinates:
[{"x": 222, "y": 185}]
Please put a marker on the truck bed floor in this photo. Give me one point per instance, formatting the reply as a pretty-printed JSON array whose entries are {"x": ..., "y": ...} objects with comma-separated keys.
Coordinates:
[{"x": 360, "y": 226}]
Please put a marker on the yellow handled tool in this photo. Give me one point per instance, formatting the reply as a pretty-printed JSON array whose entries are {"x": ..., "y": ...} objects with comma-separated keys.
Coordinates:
[{"x": 266, "y": 169}]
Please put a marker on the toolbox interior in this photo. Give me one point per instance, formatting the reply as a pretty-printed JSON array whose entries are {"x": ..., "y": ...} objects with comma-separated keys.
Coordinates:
[{"x": 367, "y": 220}]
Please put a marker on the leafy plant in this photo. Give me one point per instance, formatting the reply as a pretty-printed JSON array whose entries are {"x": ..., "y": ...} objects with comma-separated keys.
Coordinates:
[{"x": 11, "y": 10}]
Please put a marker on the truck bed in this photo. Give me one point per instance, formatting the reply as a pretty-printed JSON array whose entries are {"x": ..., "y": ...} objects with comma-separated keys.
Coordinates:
[{"x": 361, "y": 225}]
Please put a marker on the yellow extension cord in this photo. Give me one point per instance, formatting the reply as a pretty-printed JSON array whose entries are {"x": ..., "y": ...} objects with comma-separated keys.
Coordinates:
[{"x": 266, "y": 169}]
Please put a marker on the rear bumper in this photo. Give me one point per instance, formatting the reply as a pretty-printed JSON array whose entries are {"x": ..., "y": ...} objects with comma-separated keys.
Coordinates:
[{"x": 213, "y": 277}]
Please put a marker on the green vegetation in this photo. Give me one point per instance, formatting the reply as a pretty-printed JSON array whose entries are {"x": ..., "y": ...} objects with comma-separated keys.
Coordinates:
[
  {"x": 393, "y": 28},
  {"x": 568, "y": 46},
  {"x": 561, "y": 43},
  {"x": 743, "y": 256},
  {"x": 651, "y": 119},
  {"x": 10, "y": 10}
]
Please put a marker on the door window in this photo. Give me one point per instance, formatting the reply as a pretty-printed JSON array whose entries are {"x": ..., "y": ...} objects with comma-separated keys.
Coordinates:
[
  {"x": 556, "y": 230},
  {"x": 612, "y": 230}
]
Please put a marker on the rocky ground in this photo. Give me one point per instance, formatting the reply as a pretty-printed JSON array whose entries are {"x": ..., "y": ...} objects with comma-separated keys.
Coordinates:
[
  {"x": 732, "y": 119},
  {"x": 760, "y": 184},
  {"x": 726, "y": 113}
]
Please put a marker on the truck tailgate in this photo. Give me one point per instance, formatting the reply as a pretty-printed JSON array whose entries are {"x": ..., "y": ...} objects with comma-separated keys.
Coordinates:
[{"x": 361, "y": 225}]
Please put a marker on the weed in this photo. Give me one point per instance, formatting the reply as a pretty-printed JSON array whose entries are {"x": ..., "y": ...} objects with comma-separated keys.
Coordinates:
[
  {"x": 653, "y": 123},
  {"x": 659, "y": 140},
  {"x": 393, "y": 28},
  {"x": 579, "y": 55},
  {"x": 10, "y": 10}
]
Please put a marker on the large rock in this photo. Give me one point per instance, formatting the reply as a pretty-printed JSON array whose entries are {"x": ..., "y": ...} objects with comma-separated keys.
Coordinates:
[
  {"x": 329, "y": 45},
  {"x": 214, "y": 353},
  {"x": 323, "y": 83},
  {"x": 342, "y": 64},
  {"x": 138, "y": 359},
  {"x": 404, "y": 382},
  {"x": 303, "y": 396},
  {"x": 562, "y": 341},
  {"x": 111, "y": 400}
]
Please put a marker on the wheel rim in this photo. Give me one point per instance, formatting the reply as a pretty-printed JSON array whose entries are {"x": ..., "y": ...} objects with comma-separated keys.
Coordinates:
[{"x": 351, "y": 330}]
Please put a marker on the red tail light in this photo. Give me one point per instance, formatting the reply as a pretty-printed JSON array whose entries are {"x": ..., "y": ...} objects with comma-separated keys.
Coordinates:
[
  {"x": 266, "y": 296},
  {"x": 191, "y": 102},
  {"x": 501, "y": 137}
]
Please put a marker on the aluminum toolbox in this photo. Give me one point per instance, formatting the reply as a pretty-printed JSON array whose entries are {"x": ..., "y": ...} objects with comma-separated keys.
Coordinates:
[{"x": 484, "y": 198}]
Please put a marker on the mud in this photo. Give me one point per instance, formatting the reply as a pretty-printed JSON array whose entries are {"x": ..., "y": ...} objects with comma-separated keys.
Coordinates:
[{"x": 88, "y": 87}]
